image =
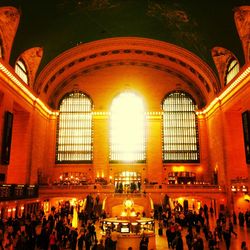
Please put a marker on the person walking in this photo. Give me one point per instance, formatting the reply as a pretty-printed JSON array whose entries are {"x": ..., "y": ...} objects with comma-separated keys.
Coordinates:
[
  {"x": 144, "y": 243},
  {"x": 178, "y": 242},
  {"x": 227, "y": 238},
  {"x": 231, "y": 229}
]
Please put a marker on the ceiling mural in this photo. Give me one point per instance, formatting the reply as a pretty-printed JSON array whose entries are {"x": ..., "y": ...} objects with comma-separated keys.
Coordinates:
[{"x": 59, "y": 25}]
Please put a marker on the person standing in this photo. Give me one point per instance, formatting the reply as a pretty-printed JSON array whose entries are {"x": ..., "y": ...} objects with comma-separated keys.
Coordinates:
[
  {"x": 52, "y": 241},
  {"x": 243, "y": 245},
  {"x": 227, "y": 238},
  {"x": 178, "y": 242},
  {"x": 189, "y": 239},
  {"x": 114, "y": 237},
  {"x": 108, "y": 242},
  {"x": 144, "y": 243},
  {"x": 80, "y": 241},
  {"x": 88, "y": 241},
  {"x": 231, "y": 229},
  {"x": 234, "y": 218},
  {"x": 241, "y": 219},
  {"x": 100, "y": 245}
]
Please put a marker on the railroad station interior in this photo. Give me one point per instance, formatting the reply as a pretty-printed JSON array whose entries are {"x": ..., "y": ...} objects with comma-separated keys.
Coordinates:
[{"x": 135, "y": 109}]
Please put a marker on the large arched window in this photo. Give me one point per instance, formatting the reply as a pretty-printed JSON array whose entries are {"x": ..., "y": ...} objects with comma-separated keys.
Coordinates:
[
  {"x": 127, "y": 129},
  {"x": 21, "y": 71},
  {"x": 74, "y": 130},
  {"x": 232, "y": 70},
  {"x": 180, "y": 131}
]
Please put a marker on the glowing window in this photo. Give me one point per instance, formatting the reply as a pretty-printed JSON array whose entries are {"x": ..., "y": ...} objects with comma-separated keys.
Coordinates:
[
  {"x": 21, "y": 71},
  {"x": 127, "y": 177},
  {"x": 127, "y": 129},
  {"x": 74, "y": 129},
  {"x": 232, "y": 70},
  {"x": 180, "y": 131}
]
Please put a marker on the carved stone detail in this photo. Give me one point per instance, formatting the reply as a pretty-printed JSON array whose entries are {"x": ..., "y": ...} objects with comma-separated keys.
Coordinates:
[
  {"x": 221, "y": 57},
  {"x": 242, "y": 21},
  {"x": 9, "y": 21},
  {"x": 32, "y": 58}
]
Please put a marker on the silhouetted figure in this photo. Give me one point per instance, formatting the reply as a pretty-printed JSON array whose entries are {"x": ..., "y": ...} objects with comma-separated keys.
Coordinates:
[
  {"x": 227, "y": 239},
  {"x": 108, "y": 243},
  {"x": 189, "y": 239},
  {"x": 144, "y": 243},
  {"x": 81, "y": 241},
  {"x": 234, "y": 218},
  {"x": 178, "y": 242},
  {"x": 243, "y": 245},
  {"x": 241, "y": 219},
  {"x": 198, "y": 243},
  {"x": 100, "y": 245},
  {"x": 231, "y": 229}
]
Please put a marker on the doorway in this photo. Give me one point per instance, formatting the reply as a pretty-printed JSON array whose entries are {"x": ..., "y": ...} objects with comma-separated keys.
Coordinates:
[{"x": 127, "y": 182}]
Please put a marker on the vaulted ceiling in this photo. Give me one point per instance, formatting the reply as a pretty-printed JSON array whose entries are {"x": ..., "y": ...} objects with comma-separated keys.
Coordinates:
[{"x": 58, "y": 25}]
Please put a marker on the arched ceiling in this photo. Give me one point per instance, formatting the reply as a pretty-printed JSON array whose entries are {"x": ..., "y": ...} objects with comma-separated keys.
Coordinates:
[
  {"x": 70, "y": 67},
  {"x": 58, "y": 25}
]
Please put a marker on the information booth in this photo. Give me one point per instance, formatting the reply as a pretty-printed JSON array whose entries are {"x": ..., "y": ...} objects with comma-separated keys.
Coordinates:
[{"x": 130, "y": 231}]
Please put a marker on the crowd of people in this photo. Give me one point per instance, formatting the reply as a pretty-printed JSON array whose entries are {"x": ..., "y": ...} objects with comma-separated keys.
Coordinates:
[
  {"x": 198, "y": 228},
  {"x": 55, "y": 231}
]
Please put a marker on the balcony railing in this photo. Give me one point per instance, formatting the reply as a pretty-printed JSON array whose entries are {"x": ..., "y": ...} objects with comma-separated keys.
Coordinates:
[
  {"x": 68, "y": 190},
  {"x": 87, "y": 186},
  {"x": 185, "y": 188},
  {"x": 240, "y": 180}
]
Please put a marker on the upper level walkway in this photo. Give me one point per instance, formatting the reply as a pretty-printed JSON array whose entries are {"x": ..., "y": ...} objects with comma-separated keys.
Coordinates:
[{"x": 213, "y": 191}]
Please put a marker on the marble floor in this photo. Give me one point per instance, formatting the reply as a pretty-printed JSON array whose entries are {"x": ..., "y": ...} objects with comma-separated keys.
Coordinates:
[
  {"x": 161, "y": 241},
  {"x": 242, "y": 234}
]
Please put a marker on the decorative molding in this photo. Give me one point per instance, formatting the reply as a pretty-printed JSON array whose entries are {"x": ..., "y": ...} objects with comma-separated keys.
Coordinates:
[
  {"x": 10, "y": 79},
  {"x": 107, "y": 64},
  {"x": 221, "y": 57},
  {"x": 32, "y": 58},
  {"x": 9, "y": 21},
  {"x": 148, "y": 50},
  {"x": 242, "y": 21},
  {"x": 231, "y": 89}
]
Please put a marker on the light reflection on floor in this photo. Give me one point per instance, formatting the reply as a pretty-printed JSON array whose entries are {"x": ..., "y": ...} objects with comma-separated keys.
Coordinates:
[{"x": 161, "y": 241}]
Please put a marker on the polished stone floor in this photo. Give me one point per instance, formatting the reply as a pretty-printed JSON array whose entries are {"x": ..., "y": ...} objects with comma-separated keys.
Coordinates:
[
  {"x": 161, "y": 241},
  {"x": 243, "y": 234}
]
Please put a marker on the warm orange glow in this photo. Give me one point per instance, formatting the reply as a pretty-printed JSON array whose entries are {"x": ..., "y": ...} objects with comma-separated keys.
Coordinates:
[
  {"x": 225, "y": 95},
  {"x": 180, "y": 200},
  {"x": 247, "y": 197},
  {"x": 199, "y": 169},
  {"x": 128, "y": 203},
  {"x": 178, "y": 168},
  {"x": 127, "y": 128},
  {"x": 24, "y": 91}
]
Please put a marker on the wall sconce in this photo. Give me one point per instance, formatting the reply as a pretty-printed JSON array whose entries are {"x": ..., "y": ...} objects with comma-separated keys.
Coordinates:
[{"x": 243, "y": 189}]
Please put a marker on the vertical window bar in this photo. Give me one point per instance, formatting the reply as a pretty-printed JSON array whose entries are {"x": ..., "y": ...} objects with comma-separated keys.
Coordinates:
[
  {"x": 21, "y": 71},
  {"x": 180, "y": 130},
  {"x": 232, "y": 70},
  {"x": 74, "y": 135}
]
